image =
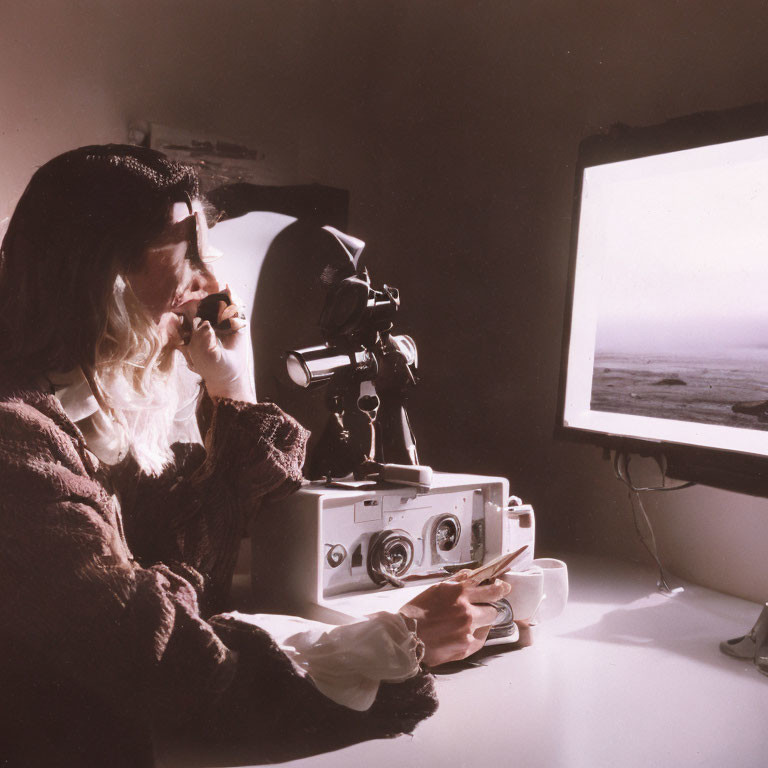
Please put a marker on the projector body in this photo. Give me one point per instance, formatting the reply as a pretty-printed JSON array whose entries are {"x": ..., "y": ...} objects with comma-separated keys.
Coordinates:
[{"x": 335, "y": 555}]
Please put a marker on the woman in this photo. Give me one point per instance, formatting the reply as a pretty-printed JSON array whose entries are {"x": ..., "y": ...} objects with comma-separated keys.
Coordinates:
[{"x": 119, "y": 527}]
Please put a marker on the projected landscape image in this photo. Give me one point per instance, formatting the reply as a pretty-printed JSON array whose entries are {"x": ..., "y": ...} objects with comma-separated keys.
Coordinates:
[{"x": 730, "y": 391}]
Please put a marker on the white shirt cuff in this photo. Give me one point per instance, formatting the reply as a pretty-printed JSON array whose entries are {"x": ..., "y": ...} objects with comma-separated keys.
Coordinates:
[{"x": 347, "y": 662}]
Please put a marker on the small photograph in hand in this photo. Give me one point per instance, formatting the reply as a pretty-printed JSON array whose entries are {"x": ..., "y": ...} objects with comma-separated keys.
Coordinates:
[{"x": 488, "y": 572}]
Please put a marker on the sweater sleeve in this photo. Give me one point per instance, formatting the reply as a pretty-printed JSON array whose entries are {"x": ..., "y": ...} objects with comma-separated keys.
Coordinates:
[{"x": 197, "y": 511}]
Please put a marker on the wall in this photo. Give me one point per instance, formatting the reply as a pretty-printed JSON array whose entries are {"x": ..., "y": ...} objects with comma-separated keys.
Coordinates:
[{"x": 455, "y": 126}]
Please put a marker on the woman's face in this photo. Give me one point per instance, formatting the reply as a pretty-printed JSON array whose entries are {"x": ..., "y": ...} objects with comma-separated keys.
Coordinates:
[{"x": 174, "y": 278}]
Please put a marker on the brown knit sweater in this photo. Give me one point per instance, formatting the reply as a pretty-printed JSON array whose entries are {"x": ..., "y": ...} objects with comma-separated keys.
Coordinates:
[{"x": 107, "y": 577}]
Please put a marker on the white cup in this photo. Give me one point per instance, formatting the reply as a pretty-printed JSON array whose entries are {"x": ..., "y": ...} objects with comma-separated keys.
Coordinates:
[
  {"x": 540, "y": 592},
  {"x": 527, "y": 591},
  {"x": 555, "y": 576}
]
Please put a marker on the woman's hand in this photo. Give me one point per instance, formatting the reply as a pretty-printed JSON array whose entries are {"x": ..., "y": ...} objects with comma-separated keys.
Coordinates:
[
  {"x": 224, "y": 361},
  {"x": 453, "y": 618}
]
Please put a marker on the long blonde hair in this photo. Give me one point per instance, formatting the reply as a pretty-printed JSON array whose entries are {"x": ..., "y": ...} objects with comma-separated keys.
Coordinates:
[{"x": 146, "y": 392}]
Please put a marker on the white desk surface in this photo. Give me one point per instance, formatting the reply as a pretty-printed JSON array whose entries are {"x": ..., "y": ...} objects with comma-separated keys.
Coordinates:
[{"x": 625, "y": 677}]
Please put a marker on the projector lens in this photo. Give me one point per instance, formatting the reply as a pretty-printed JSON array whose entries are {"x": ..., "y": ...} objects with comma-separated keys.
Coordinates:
[
  {"x": 297, "y": 370},
  {"x": 447, "y": 533}
]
